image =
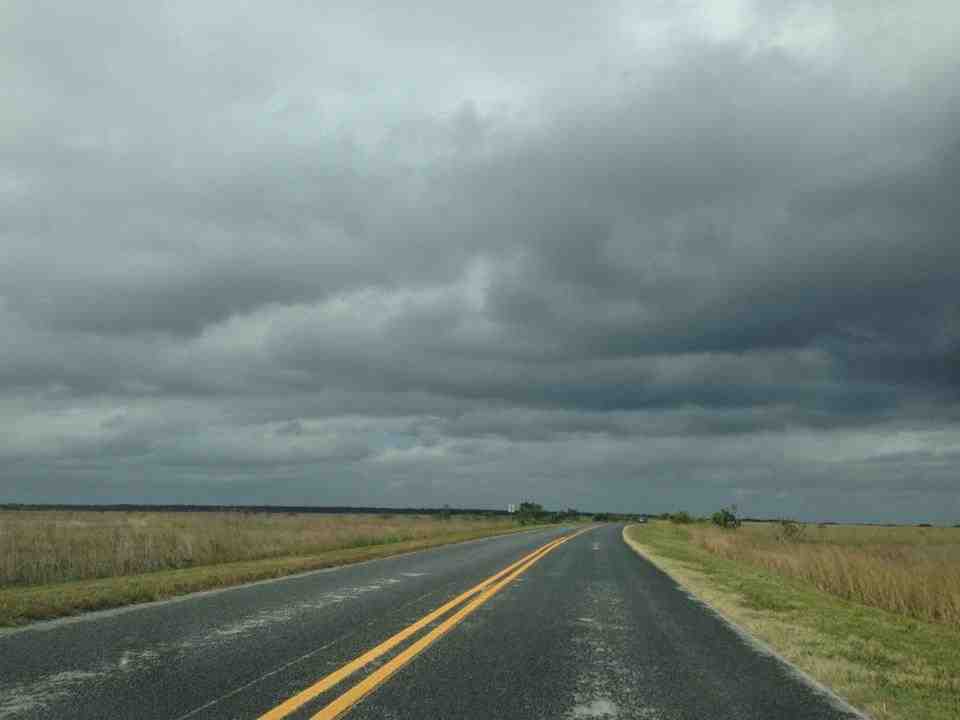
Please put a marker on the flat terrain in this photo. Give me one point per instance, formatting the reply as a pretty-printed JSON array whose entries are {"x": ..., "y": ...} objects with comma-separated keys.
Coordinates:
[
  {"x": 912, "y": 571},
  {"x": 58, "y": 563},
  {"x": 586, "y": 629},
  {"x": 40, "y": 547}
]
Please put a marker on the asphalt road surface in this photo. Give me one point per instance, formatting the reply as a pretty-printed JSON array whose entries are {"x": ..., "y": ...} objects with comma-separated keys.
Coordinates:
[{"x": 563, "y": 628}]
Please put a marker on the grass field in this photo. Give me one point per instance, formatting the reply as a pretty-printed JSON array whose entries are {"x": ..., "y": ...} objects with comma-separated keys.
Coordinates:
[
  {"x": 56, "y": 563},
  {"x": 889, "y": 663},
  {"x": 914, "y": 571}
]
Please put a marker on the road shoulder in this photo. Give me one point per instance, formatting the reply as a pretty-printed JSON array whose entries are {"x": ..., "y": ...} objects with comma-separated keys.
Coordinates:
[{"x": 887, "y": 665}]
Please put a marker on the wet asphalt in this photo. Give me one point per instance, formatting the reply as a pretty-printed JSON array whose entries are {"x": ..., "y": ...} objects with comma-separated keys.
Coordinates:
[{"x": 592, "y": 630}]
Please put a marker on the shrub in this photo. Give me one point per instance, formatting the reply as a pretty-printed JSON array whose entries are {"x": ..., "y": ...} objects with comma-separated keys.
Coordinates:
[
  {"x": 531, "y": 512},
  {"x": 790, "y": 530},
  {"x": 726, "y": 518}
]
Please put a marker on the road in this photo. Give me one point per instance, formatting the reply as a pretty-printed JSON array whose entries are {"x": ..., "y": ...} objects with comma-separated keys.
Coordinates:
[{"x": 583, "y": 629}]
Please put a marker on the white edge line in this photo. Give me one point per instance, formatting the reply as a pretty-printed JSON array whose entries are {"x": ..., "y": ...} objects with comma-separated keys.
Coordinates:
[
  {"x": 49, "y": 625},
  {"x": 759, "y": 645}
]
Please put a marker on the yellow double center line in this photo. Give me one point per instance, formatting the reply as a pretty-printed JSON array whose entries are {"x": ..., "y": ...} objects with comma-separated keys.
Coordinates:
[{"x": 484, "y": 591}]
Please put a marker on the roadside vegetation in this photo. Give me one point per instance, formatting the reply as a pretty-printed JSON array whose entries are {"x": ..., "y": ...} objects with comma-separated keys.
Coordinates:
[
  {"x": 531, "y": 513},
  {"x": 914, "y": 571},
  {"x": 869, "y": 611},
  {"x": 56, "y": 563},
  {"x": 51, "y": 547}
]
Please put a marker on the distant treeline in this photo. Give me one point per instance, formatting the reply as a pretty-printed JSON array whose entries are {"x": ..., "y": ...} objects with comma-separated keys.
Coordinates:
[
  {"x": 283, "y": 509},
  {"x": 318, "y": 509},
  {"x": 682, "y": 517}
]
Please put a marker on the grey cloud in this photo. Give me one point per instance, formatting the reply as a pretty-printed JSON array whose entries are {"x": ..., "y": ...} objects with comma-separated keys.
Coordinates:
[{"x": 600, "y": 255}]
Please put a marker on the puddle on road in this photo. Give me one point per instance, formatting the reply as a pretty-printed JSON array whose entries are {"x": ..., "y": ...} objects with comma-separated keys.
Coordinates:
[
  {"x": 598, "y": 708},
  {"x": 16, "y": 700},
  {"x": 608, "y": 687}
]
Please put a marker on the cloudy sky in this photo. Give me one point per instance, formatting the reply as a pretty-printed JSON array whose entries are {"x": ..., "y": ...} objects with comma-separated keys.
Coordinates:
[{"x": 630, "y": 256}]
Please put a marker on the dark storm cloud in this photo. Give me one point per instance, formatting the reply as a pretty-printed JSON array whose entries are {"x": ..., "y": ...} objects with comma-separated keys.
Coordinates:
[{"x": 655, "y": 255}]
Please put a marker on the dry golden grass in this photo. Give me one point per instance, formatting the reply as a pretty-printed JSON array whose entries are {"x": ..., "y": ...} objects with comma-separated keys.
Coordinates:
[
  {"x": 912, "y": 571},
  {"x": 44, "y": 547}
]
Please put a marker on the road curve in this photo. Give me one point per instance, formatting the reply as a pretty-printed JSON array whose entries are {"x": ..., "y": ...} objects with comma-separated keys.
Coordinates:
[{"x": 580, "y": 628}]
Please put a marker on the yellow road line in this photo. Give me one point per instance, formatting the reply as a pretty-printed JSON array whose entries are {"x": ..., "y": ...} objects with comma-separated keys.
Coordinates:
[
  {"x": 337, "y": 676},
  {"x": 339, "y": 707}
]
